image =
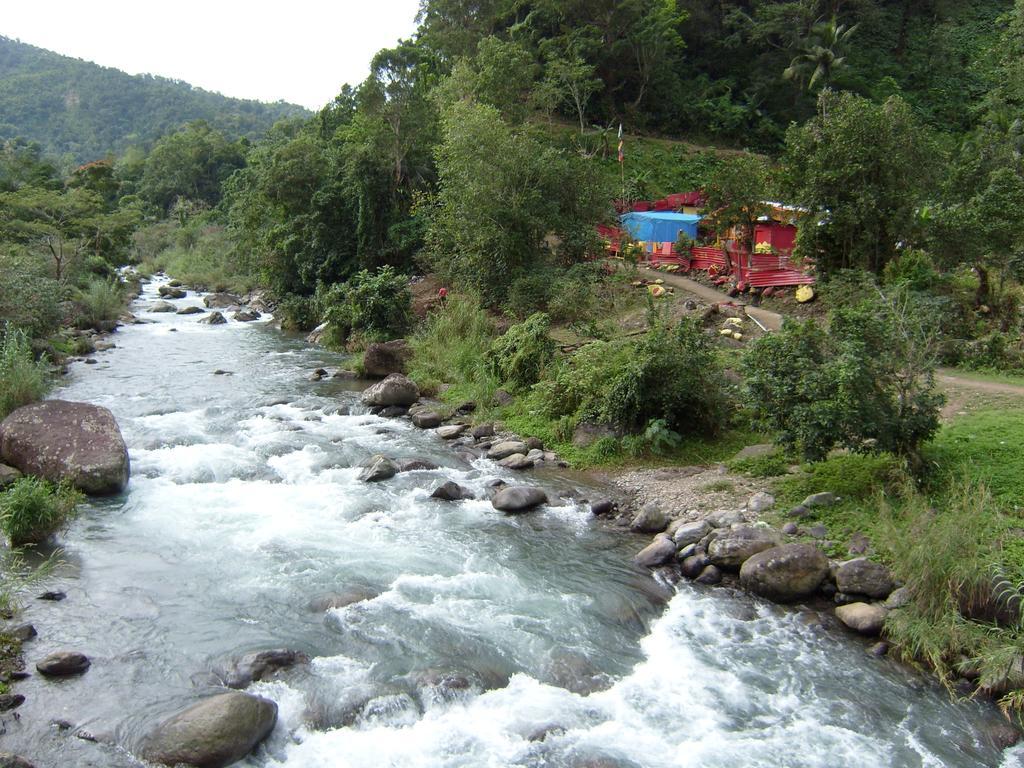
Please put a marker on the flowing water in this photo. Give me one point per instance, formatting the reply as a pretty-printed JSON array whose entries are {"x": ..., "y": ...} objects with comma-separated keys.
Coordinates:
[{"x": 488, "y": 640}]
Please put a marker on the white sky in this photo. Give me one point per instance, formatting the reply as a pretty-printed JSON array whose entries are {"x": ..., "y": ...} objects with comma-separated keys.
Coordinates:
[{"x": 301, "y": 51}]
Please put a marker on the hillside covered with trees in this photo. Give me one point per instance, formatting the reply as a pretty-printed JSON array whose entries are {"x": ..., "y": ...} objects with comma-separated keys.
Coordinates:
[{"x": 76, "y": 108}]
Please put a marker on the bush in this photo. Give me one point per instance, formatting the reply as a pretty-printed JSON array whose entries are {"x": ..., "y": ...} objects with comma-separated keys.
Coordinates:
[
  {"x": 451, "y": 346},
  {"x": 520, "y": 356},
  {"x": 377, "y": 305},
  {"x": 868, "y": 384},
  {"x": 23, "y": 379},
  {"x": 297, "y": 313},
  {"x": 29, "y": 298},
  {"x": 32, "y": 510},
  {"x": 670, "y": 374},
  {"x": 101, "y": 302}
]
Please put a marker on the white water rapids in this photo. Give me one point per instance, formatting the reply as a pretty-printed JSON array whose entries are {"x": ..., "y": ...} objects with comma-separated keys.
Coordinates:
[{"x": 244, "y": 507}]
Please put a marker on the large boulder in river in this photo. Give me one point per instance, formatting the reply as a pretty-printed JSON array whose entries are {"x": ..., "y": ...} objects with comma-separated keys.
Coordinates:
[
  {"x": 784, "y": 574},
  {"x": 864, "y": 577},
  {"x": 61, "y": 440},
  {"x": 731, "y": 548},
  {"x": 63, "y": 664},
  {"x": 216, "y": 732},
  {"x": 396, "y": 389},
  {"x": 221, "y": 300},
  {"x": 518, "y": 498},
  {"x": 384, "y": 358}
]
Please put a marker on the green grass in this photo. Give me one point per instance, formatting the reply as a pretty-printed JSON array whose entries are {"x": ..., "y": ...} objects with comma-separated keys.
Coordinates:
[
  {"x": 23, "y": 379},
  {"x": 998, "y": 377},
  {"x": 769, "y": 465},
  {"x": 102, "y": 301},
  {"x": 31, "y": 510},
  {"x": 987, "y": 446}
]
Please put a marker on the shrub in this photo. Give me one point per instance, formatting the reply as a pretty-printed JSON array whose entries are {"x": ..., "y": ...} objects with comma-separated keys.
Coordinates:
[
  {"x": 451, "y": 347},
  {"x": 520, "y": 356},
  {"x": 32, "y": 510},
  {"x": 102, "y": 301},
  {"x": 912, "y": 268},
  {"x": 670, "y": 374},
  {"x": 866, "y": 385},
  {"x": 29, "y": 298},
  {"x": 377, "y": 305},
  {"x": 23, "y": 379},
  {"x": 297, "y": 313},
  {"x": 769, "y": 465},
  {"x": 531, "y": 292}
]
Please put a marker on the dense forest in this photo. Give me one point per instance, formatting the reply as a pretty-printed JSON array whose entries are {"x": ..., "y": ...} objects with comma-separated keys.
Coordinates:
[
  {"x": 85, "y": 111},
  {"x": 481, "y": 155}
]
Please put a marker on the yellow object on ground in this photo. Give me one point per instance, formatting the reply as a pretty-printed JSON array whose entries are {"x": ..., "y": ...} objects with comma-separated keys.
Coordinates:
[
  {"x": 738, "y": 336},
  {"x": 733, "y": 321},
  {"x": 804, "y": 294},
  {"x": 656, "y": 290},
  {"x": 658, "y": 281},
  {"x": 725, "y": 332}
]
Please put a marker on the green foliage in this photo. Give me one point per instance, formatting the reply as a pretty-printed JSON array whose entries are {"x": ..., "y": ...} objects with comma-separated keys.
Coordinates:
[
  {"x": 297, "y": 313},
  {"x": 736, "y": 193},
  {"x": 23, "y": 379},
  {"x": 451, "y": 348},
  {"x": 29, "y": 297},
  {"x": 17, "y": 577},
  {"x": 769, "y": 465},
  {"x": 32, "y": 510},
  {"x": 520, "y": 356},
  {"x": 669, "y": 374},
  {"x": 506, "y": 203},
  {"x": 86, "y": 111},
  {"x": 101, "y": 302},
  {"x": 197, "y": 252},
  {"x": 376, "y": 305},
  {"x": 867, "y": 384},
  {"x": 987, "y": 446},
  {"x": 851, "y": 476},
  {"x": 190, "y": 164},
  {"x": 859, "y": 168}
]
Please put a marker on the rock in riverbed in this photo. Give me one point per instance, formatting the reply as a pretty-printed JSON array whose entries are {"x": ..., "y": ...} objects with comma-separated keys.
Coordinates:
[
  {"x": 220, "y": 300},
  {"x": 169, "y": 292},
  {"x": 786, "y": 573},
  {"x": 734, "y": 546},
  {"x": 162, "y": 306},
  {"x": 61, "y": 440},
  {"x": 377, "y": 467},
  {"x": 451, "y": 491},
  {"x": 864, "y": 577},
  {"x": 190, "y": 311},
  {"x": 451, "y": 431},
  {"x": 258, "y": 665},
  {"x": 506, "y": 448},
  {"x": 213, "y": 733},
  {"x": 8, "y": 475},
  {"x": 214, "y": 318},
  {"x": 396, "y": 389},
  {"x": 7, "y": 760},
  {"x": 516, "y": 461},
  {"x": 63, "y": 664},
  {"x": 658, "y": 552},
  {"x": 862, "y": 617},
  {"x": 518, "y": 498},
  {"x": 384, "y": 358},
  {"x": 427, "y": 419},
  {"x": 650, "y": 519}
]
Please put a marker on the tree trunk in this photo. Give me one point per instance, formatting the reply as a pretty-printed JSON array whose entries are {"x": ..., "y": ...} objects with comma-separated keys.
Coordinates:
[{"x": 984, "y": 288}]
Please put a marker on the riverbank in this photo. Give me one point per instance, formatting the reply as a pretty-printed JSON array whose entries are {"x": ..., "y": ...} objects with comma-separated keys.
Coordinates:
[{"x": 245, "y": 509}]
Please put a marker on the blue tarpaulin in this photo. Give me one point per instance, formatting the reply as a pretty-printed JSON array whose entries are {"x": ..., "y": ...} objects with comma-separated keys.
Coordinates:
[{"x": 659, "y": 226}]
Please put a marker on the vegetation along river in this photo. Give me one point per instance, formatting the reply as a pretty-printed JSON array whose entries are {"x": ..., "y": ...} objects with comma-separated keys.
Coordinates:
[{"x": 489, "y": 640}]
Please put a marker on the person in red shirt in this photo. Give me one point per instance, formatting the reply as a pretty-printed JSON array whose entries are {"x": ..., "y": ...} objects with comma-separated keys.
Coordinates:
[{"x": 442, "y": 295}]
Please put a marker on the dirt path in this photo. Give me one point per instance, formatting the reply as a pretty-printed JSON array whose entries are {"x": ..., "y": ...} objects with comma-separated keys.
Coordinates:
[
  {"x": 768, "y": 320},
  {"x": 965, "y": 393}
]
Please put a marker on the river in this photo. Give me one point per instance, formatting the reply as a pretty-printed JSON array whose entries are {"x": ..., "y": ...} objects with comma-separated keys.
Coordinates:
[{"x": 244, "y": 507}]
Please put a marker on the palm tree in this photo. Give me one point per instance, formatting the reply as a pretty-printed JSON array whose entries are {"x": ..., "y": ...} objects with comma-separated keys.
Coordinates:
[{"x": 820, "y": 56}]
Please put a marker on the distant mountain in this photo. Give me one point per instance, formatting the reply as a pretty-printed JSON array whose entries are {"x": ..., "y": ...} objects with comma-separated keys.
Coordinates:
[{"x": 80, "y": 108}]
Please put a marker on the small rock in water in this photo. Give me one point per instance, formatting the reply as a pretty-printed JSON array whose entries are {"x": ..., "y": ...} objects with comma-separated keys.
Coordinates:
[
  {"x": 220, "y": 372},
  {"x": 879, "y": 649},
  {"x": 9, "y": 701},
  {"x": 377, "y": 467},
  {"x": 22, "y": 632},
  {"x": 427, "y": 419},
  {"x": 190, "y": 311},
  {"x": 520, "y": 498},
  {"x": 709, "y": 576},
  {"x": 8, "y": 760},
  {"x": 516, "y": 461},
  {"x": 506, "y": 448},
  {"x": 692, "y": 566},
  {"x": 54, "y": 596},
  {"x": 393, "y": 411},
  {"x": 214, "y": 318},
  {"x": 258, "y": 665},
  {"x": 91, "y": 361},
  {"x": 63, "y": 664},
  {"x": 603, "y": 507},
  {"x": 350, "y": 596},
  {"x": 413, "y": 465},
  {"x": 450, "y": 431},
  {"x": 658, "y": 552},
  {"x": 451, "y": 491}
]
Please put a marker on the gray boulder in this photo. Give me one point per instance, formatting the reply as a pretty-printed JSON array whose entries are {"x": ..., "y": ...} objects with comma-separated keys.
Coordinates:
[
  {"x": 482, "y": 430},
  {"x": 898, "y": 598},
  {"x": 213, "y": 733},
  {"x": 246, "y": 315},
  {"x": 396, "y": 389},
  {"x": 723, "y": 518},
  {"x": 518, "y": 498},
  {"x": 864, "y": 577},
  {"x": 171, "y": 292},
  {"x": 190, "y": 311},
  {"x": 823, "y": 499},
  {"x": 451, "y": 491},
  {"x": 342, "y": 599},
  {"x": 61, "y": 440},
  {"x": 63, "y": 664},
  {"x": 8, "y": 475},
  {"x": 163, "y": 306},
  {"x": 658, "y": 552},
  {"x": 587, "y": 434},
  {"x": 650, "y": 519},
  {"x": 384, "y": 358},
  {"x": 377, "y": 467},
  {"x": 516, "y": 461},
  {"x": 221, "y": 300},
  {"x": 412, "y": 465},
  {"x": 259, "y": 665},
  {"x": 427, "y": 419},
  {"x": 214, "y": 318},
  {"x": 709, "y": 576},
  {"x": 691, "y": 533},
  {"x": 7, "y": 760},
  {"x": 731, "y": 548},
  {"x": 760, "y": 502},
  {"x": 451, "y": 431},
  {"x": 785, "y": 573},
  {"x": 506, "y": 448},
  {"x": 862, "y": 617}
]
